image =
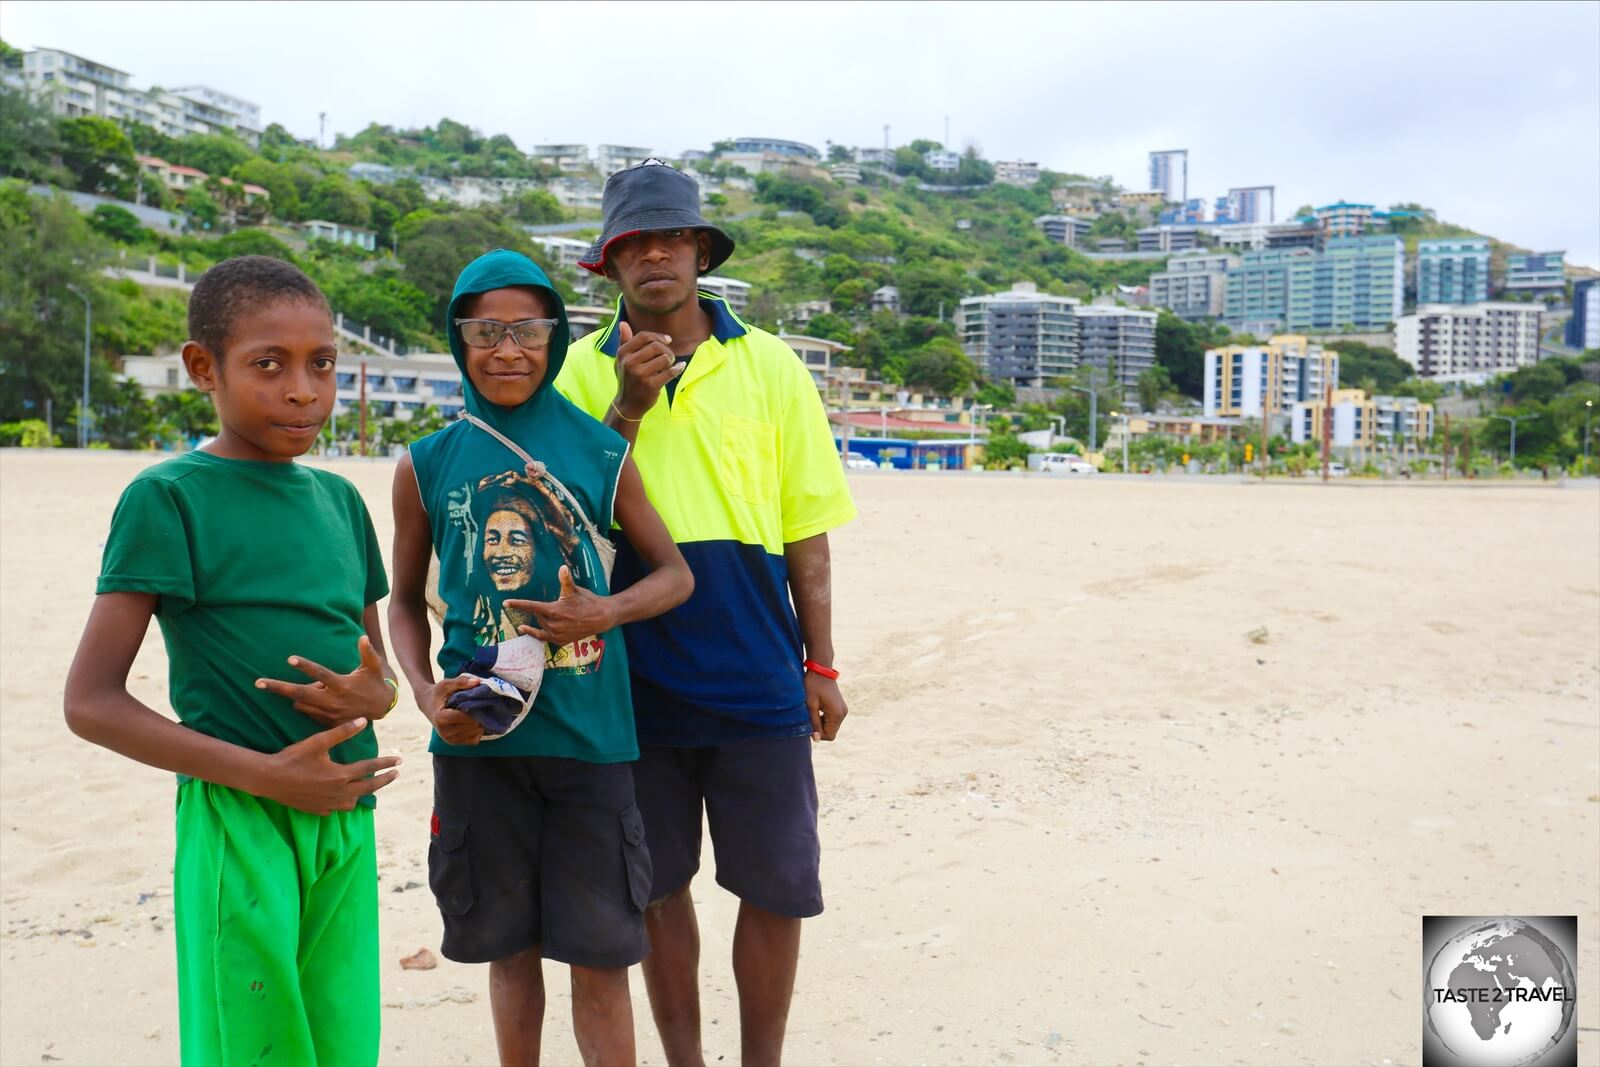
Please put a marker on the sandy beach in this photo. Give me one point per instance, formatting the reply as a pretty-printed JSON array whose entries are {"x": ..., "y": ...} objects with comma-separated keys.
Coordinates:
[{"x": 1078, "y": 815}]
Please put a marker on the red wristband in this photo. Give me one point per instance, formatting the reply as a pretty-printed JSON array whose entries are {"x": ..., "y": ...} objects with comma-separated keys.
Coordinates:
[{"x": 817, "y": 668}]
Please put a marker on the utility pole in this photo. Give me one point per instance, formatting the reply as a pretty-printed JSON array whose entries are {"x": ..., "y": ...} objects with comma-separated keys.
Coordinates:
[
  {"x": 1446, "y": 446},
  {"x": 947, "y": 133},
  {"x": 322, "y": 128},
  {"x": 363, "y": 407},
  {"x": 1327, "y": 426},
  {"x": 1093, "y": 390},
  {"x": 83, "y": 407}
]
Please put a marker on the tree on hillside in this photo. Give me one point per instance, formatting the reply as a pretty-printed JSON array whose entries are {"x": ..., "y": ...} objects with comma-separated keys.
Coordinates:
[
  {"x": 927, "y": 287},
  {"x": 214, "y": 153},
  {"x": 251, "y": 242},
  {"x": 118, "y": 223},
  {"x": 536, "y": 207},
  {"x": 1181, "y": 351},
  {"x": 1379, "y": 367},
  {"x": 337, "y": 199},
  {"x": 278, "y": 180},
  {"x": 29, "y": 141},
  {"x": 1153, "y": 386},
  {"x": 99, "y": 156},
  {"x": 438, "y": 246},
  {"x": 942, "y": 367},
  {"x": 45, "y": 246},
  {"x": 838, "y": 153}
]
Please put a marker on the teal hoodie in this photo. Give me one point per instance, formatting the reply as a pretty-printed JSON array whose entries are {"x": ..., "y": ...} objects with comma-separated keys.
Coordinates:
[{"x": 501, "y": 535}]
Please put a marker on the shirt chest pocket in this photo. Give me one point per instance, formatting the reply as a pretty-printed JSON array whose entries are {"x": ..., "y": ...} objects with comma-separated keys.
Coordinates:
[{"x": 749, "y": 458}]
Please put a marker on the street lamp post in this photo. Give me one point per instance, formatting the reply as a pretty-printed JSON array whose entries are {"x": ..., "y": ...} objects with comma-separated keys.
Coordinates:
[
  {"x": 1094, "y": 393},
  {"x": 1513, "y": 420},
  {"x": 1588, "y": 436},
  {"x": 83, "y": 408}
]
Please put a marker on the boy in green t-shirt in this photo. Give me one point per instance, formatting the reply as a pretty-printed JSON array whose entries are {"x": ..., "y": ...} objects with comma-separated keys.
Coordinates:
[{"x": 261, "y": 573}]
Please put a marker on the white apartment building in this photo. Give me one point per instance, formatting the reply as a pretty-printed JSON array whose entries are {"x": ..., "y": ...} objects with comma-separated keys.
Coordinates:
[
  {"x": 1016, "y": 172},
  {"x": 1468, "y": 342},
  {"x": 942, "y": 159},
  {"x": 563, "y": 251},
  {"x": 735, "y": 292},
  {"x": 610, "y": 158},
  {"x": 566, "y": 158},
  {"x": 1242, "y": 380},
  {"x": 339, "y": 233},
  {"x": 1362, "y": 422},
  {"x": 74, "y": 86}
]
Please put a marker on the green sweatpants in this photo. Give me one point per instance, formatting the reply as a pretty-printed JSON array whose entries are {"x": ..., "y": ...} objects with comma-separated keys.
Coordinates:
[{"x": 277, "y": 924}]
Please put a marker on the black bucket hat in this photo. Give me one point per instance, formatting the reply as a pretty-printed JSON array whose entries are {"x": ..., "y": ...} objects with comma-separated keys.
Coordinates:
[{"x": 651, "y": 196}]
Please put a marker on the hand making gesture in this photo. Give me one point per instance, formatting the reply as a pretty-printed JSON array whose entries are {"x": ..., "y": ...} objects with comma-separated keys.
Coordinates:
[
  {"x": 579, "y": 613},
  {"x": 365, "y": 692},
  {"x": 645, "y": 363},
  {"x": 303, "y": 776}
]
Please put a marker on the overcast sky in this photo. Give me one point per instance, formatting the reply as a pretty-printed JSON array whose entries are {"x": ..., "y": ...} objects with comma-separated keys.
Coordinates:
[{"x": 1488, "y": 113}]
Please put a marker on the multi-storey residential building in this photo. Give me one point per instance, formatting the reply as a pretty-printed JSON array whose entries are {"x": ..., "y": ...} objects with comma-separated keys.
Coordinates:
[
  {"x": 74, "y": 86},
  {"x": 1120, "y": 341},
  {"x": 874, "y": 157},
  {"x": 1188, "y": 213},
  {"x": 566, "y": 158},
  {"x": 1168, "y": 238},
  {"x": 1194, "y": 285},
  {"x": 1066, "y": 230},
  {"x": 208, "y": 110},
  {"x": 1453, "y": 270},
  {"x": 1362, "y": 422},
  {"x": 1256, "y": 380},
  {"x": 1469, "y": 342},
  {"x": 885, "y": 298},
  {"x": 1254, "y": 236},
  {"x": 1169, "y": 174},
  {"x": 610, "y": 158},
  {"x": 775, "y": 146},
  {"x": 942, "y": 159},
  {"x": 845, "y": 173},
  {"x": 1020, "y": 336},
  {"x": 1147, "y": 201},
  {"x": 735, "y": 292},
  {"x": 1250, "y": 203},
  {"x": 562, "y": 251},
  {"x": 1016, "y": 172},
  {"x": 1536, "y": 273},
  {"x": 1344, "y": 220},
  {"x": 1354, "y": 282},
  {"x": 1583, "y": 329}
]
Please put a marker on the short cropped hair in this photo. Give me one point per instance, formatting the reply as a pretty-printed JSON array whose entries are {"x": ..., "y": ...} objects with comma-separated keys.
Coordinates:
[{"x": 239, "y": 285}]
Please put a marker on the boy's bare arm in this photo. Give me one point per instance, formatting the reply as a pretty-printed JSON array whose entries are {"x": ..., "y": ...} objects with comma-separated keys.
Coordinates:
[
  {"x": 810, "y": 569},
  {"x": 408, "y": 613},
  {"x": 580, "y": 613},
  {"x": 100, "y": 709}
]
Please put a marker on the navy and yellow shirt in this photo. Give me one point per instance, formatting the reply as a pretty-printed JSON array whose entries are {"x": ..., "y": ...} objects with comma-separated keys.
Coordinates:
[{"x": 740, "y": 462}]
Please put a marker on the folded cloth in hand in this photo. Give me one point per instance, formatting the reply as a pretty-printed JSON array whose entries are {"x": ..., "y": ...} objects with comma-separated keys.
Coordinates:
[
  {"x": 519, "y": 661},
  {"x": 496, "y": 705}
]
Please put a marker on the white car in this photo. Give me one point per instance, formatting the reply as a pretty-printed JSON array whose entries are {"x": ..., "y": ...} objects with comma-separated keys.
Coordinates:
[
  {"x": 855, "y": 461},
  {"x": 1064, "y": 463}
]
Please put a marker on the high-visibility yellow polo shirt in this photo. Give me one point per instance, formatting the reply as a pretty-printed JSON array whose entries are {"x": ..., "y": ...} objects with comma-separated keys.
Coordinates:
[{"x": 739, "y": 462}]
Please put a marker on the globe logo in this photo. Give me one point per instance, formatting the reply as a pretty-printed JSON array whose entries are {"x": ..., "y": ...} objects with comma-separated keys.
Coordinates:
[{"x": 1499, "y": 992}]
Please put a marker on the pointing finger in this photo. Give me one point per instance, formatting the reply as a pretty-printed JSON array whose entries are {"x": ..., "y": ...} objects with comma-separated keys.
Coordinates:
[
  {"x": 369, "y": 654},
  {"x": 316, "y": 670},
  {"x": 534, "y": 631},
  {"x": 372, "y": 785}
]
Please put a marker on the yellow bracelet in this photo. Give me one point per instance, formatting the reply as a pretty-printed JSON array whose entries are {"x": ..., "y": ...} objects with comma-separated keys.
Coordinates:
[
  {"x": 623, "y": 417},
  {"x": 394, "y": 699}
]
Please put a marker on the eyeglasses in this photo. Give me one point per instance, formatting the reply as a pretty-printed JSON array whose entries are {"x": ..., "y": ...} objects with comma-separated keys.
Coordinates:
[{"x": 488, "y": 333}]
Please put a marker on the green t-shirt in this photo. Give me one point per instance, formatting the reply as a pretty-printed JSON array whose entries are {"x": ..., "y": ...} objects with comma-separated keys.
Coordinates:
[{"x": 252, "y": 563}]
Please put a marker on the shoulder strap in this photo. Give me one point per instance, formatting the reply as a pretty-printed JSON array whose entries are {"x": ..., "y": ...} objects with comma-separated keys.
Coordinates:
[{"x": 555, "y": 482}]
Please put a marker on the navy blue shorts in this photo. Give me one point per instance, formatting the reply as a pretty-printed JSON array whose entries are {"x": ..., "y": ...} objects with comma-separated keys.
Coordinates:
[
  {"x": 760, "y": 800},
  {"x": 533, "y": 850}
]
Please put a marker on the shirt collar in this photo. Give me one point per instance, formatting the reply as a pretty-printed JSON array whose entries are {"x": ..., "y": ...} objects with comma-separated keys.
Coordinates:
[{"x": 725, "y": 325}]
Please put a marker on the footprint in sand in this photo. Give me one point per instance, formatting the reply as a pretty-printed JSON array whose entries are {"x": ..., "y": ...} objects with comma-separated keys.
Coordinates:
[{"x": 1428, "y": 824}]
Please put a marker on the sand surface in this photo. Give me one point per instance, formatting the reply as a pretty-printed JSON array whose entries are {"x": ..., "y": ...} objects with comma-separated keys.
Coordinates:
[{"x": 1076, "y": 815}]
